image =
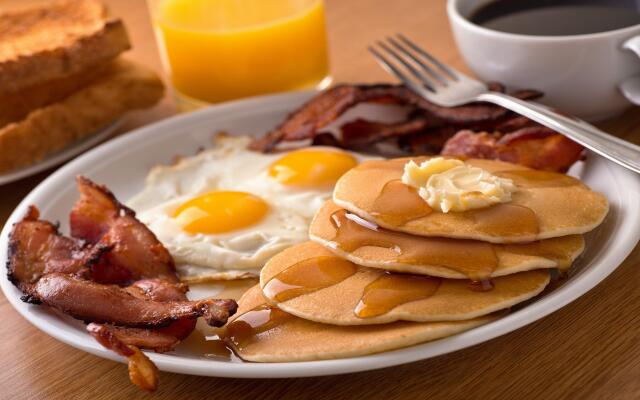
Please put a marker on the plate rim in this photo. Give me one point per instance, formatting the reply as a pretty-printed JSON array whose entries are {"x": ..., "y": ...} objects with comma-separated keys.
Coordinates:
[{"x": 615, "y": 255}]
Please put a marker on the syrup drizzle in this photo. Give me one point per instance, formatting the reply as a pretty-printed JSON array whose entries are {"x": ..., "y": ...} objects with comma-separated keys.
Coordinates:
[
  {"x": 504, "y": 220},
  {"x": 391, "y": 290},
  {"x": 398, "y": 204},
  {"x": 245, "y": 329},
  {"x": 308, "y": 276},
  {"x": 474, "y": 259},
  {"x": 531, "y": 178},
  {"x": 483, "y": 285},
  {"x": 550, "y": 249}
]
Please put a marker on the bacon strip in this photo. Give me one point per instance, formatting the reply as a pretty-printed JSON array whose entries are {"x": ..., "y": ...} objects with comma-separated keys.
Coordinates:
[
  {"x": 95, "y": 302},
  {"x": 159, "y": 339},
  {"x": 539, "y": 148},
  {"x": 535, "y": 147},
  {"x": 320, "y": 111},
  {"x": 142, "y": 372},
  {"x": 136, "y": 253},
  {"x": 37, "y": 248},
  {"x": 109, "y": 245},
  {"x": 163, "y": 291},
  {"x": 362, "y": 132},
  {"x": 142, "y": 338}
]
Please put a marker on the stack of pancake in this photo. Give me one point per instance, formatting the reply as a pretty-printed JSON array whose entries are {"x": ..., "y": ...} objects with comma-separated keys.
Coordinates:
[{"x": 383, "y": 270}]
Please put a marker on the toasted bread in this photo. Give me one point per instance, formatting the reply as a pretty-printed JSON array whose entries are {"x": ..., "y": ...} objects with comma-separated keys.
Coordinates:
[
  {"x": 126, "y": 86},
  {"x": 56, "y": 40},
  {"x": 16, "y": 106}
]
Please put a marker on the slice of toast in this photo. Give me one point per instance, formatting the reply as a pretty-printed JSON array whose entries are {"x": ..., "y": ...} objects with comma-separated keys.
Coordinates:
[
  {"x": 56, "y": 40},
  {"x": 126, "y": 86},
  {"x": 16, "y": 106}
]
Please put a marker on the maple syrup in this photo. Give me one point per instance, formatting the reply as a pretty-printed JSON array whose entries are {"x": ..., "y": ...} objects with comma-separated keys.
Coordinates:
[
  {"x": 243, "y": 330},
  {"x": 483, "y": 285},
  {"x": 398, "y": 204},
  {"x": 391, "y": 290},
  {"x": 531, "y": 178},
  {"x": 308, "y": 276},
  {"x": 474, "y": 259}
]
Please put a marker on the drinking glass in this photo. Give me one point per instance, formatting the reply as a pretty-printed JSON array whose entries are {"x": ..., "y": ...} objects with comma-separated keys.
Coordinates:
[{"x": 218, "y": 50}]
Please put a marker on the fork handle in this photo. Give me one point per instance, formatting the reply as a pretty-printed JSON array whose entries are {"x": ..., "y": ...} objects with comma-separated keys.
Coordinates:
[{"x": 615, "y": 149}]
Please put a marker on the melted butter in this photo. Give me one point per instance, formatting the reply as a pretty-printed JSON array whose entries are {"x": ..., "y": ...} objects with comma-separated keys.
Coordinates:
[
  {"x": 245, "y": 329},
  {"x": 398, "y": 204},
  {"x": 308, "y": 276},
  {"x": 452, "y": 185},
  {"x": 474, "y": 259},
  {"x": 392, "y": 290},
  {"x": 531, "y": 178}
]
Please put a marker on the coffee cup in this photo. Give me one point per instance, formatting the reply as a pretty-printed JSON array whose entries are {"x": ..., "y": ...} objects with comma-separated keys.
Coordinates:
[{"x": 593, "y": 76}]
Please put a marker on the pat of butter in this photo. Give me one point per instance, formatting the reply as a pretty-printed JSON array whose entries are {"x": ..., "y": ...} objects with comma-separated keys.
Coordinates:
[{"x": 452, "y": 185}]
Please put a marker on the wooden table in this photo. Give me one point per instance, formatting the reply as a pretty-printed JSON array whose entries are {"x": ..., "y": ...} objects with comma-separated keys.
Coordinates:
[{"x": 588, "y": 350}]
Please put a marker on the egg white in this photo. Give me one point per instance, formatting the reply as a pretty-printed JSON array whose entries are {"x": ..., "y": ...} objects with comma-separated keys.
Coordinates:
[{"x": 227, "y": 166}]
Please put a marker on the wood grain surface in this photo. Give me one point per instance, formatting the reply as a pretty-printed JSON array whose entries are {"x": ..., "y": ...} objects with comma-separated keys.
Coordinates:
[{"x": 590, "y": 349}]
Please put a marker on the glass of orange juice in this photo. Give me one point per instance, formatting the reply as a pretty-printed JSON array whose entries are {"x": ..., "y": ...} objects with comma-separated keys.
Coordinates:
[{"x": 218, "y": 50}]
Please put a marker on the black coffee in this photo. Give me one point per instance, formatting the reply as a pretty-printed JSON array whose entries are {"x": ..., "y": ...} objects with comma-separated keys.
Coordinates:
[{"x": 557, "y": 17}]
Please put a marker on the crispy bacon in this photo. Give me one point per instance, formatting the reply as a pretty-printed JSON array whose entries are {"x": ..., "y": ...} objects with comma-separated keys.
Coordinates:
[
  {"x": 142, "y": 372},
  {"x": 329, "y": 105},
  {"x": 136, "y": 253},
  {"x": 37, "y": 248},
  {"x": 468, "y": 144},
  {"x": 158, "y": 290},
  {"x": 536, "y": 147},
  {"x": 362, "y": 132},
  {"x": 152, "y": 339},
  {"x": 161, "y": 290},
  {"x": 90, "y": 301},
  {"x": 109, "y": 245},
  {"x": 539, "y": 148},
  {"x": 160, "y": 340},
  {"x": 513, "y": 124}
]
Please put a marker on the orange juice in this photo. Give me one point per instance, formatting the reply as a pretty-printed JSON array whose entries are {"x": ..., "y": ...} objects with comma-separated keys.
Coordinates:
[{"x": 218, "y": 50}]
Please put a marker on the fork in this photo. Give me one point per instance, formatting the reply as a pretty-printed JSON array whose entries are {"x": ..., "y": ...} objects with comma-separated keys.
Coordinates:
[{"x": 443, "y": 85}]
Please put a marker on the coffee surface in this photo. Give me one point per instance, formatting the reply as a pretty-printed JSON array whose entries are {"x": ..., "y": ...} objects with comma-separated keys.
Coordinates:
[{"x": 557, "y": 17}]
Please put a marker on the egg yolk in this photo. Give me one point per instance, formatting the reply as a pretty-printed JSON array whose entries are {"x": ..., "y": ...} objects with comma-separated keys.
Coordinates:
[
  {"x": 220, "y": 211},
  {"x": 311, "y": 168}
]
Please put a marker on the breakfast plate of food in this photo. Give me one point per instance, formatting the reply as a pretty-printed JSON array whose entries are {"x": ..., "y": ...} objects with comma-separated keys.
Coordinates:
[{"x": 313, "y": 234}]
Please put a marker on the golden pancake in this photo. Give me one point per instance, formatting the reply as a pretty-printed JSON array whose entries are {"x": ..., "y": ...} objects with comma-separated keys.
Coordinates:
[
  {"x": 262, "y": 333},
  {"x": 310, "y": 282},
  {"x": 366, "y": 244},
  {"x": 546, "y": 204}
]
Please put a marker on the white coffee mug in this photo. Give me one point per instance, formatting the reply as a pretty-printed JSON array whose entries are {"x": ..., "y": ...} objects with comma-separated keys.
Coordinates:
[{"x": 593, "y": 76}]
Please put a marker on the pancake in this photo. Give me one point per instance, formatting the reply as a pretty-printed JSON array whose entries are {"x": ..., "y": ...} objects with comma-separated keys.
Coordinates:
[
  {"x": 364, "y": 243},
  {"x": 277, "y": 336},
  {"x": 546, "y": 204},
  {"x": 310, "y": 282}
]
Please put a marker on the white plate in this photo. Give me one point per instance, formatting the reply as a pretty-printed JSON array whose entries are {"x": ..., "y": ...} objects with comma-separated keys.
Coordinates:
[
  {"x": 122, "y": 164},
  {"x": 61, "y": 156}
]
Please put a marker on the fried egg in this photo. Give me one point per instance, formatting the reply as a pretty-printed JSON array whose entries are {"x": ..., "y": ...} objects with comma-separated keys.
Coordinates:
[{"x": 225, "y": 211}]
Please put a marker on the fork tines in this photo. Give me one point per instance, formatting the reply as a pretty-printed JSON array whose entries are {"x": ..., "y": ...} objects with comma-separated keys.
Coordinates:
[{"x": 428, "y": 73}]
